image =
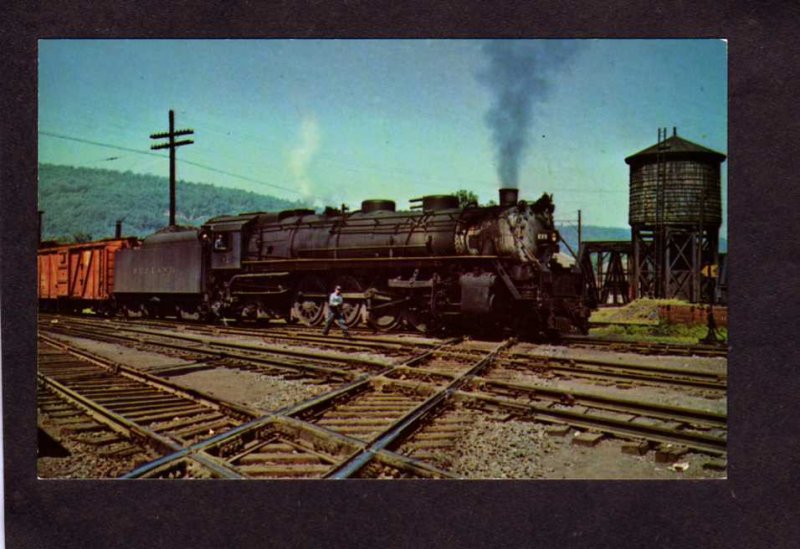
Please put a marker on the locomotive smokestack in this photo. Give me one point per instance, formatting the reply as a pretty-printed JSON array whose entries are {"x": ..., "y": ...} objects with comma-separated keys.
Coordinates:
[
  {"x": 508, "y": 197},
  {"x": 118, "y": 229}
]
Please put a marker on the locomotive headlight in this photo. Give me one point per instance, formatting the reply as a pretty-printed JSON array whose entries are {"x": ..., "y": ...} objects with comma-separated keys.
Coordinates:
[{"x": 554, "y": 236}]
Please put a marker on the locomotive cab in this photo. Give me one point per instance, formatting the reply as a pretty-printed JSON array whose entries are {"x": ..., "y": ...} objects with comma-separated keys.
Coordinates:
[{"x": 225, "y": 235}]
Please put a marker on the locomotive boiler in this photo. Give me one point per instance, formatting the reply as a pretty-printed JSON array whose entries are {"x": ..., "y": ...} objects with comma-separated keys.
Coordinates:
[{"x": 433, "y": 267}]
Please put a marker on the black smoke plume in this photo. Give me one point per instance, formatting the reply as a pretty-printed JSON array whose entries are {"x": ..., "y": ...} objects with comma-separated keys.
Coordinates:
[{"x": 518, "y": 76}]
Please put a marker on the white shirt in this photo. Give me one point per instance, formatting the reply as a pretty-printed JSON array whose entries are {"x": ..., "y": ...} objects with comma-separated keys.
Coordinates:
[{"x": 335, "y": 300}]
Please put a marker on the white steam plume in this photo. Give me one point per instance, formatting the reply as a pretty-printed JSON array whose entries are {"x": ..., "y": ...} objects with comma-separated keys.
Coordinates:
[{"x": 302, "y": 154}]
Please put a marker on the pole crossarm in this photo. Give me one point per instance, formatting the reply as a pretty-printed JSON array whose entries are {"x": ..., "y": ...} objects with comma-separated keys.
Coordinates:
[
  {"x": 174, "y": 134},
  {"x": 170, "y": 145}
]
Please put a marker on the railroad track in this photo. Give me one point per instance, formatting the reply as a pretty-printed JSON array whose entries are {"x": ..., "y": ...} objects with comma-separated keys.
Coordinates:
[
  {"x": 648, "y": 348},
  {"x": 209, "y": 352},
  {"x": 610, "y": 370},
  {"x": 697, "y": 429},
  {"x": 365, "y": 338},
  {"x": 364, "y": 342},
  {"x": 362, "y": 338},
  {"x": 352, "y": 426},
  {"x": 591, "y": 369},
  {"x": 381, "y": 420},
  {"x": 418, "y": 409},
  {"x": 132, "y": 413},
  {"x": 66, "y": 428},
  {"x": 124, "y": 413},
  {"x": 627, "y": 373}
]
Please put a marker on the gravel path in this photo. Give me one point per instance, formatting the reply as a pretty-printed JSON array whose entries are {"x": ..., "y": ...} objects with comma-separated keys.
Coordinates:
[
  {"x": 262, "y": 392},
  {"x": 494, "y": 449}
]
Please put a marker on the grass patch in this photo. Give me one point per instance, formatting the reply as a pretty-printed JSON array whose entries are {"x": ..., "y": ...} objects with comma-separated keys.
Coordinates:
[
  {"x": 642, "y": 311},
  {"x": 657, "y": 333}
]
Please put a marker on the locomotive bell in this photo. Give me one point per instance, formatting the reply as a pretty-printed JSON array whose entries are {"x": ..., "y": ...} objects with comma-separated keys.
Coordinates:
[{"x": 508, "y": 197}]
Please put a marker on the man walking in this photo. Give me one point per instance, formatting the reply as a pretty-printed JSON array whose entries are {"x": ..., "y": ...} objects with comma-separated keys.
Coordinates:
[{"x": 335, "y": 303}]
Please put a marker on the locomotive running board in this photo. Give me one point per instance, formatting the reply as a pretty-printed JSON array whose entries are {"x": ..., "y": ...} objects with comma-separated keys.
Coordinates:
[{"x": 324, "y": 264}]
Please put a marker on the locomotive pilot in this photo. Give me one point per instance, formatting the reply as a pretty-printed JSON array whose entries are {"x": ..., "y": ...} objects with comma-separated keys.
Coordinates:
[{"x": 335, "y": 303}]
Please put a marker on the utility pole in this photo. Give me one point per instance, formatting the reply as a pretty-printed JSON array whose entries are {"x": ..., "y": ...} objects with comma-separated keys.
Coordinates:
[
  {"x": 171, "y": 145},
  {"x": 661, "y": 285}
]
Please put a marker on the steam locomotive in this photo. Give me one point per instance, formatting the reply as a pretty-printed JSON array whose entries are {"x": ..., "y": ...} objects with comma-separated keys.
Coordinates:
[{"x": 434, "y": 267}]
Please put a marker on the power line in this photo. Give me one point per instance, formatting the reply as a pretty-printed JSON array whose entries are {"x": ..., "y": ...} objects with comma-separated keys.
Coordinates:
[
  {"x": 137, "y": 151},
  {"x": 98, "y": 144},
  {"x": 223, "y": 172},
  {"x": 365, "y": 169}
]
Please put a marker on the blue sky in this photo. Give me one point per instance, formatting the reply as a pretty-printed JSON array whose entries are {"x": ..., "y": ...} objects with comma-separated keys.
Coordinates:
[{"x": 338, "y": 121}]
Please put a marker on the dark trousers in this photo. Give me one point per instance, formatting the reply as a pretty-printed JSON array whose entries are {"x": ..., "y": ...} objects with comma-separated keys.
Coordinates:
[{"x": 334, "y": 314}]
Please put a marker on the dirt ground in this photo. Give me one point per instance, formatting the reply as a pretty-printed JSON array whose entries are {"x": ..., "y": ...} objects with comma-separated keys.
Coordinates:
[
  {"x": 252, "y": 389},
  {"x": 143, "y": 360},
  {"x": 518, "y": 449}
]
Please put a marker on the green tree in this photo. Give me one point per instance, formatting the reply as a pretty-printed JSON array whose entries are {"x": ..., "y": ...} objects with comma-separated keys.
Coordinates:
[
  {"x": 466, "y": 198},
  {"x": 87, "y": 201},
  {"x": 81, "y": 237}
]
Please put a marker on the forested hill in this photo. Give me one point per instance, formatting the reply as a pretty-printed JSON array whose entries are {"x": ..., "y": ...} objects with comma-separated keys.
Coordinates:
[{"x": 85, "y": 203}]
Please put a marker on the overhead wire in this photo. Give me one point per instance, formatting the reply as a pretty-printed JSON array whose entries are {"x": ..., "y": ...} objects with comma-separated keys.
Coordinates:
[
  {"x": 183, "y": 161},
  {"x": 410, "y": 175}
]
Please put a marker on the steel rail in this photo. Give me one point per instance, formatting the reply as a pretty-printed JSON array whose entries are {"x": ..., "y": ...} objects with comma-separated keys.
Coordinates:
[
  {"x": 622, "y": 370},
  {"x": 594, "y": 369},
  {"x": 378, "y": 448},
  {"x": 681, "y": 349},
  {"x": 571, "y": 397},
  {"x": 215, "y": 351},
  {"x": 412, "y": 418},
  {"x": 129, "y": 428},
  {"x": 635, "y": 407},
  {"x": 334, "y": 357},
  {"x": 295, "y": 333},
  {"x": 624, "y": 429},
  {"x": 291, "y": 415},
  {"x": 367, "y": 334},
  {"x": 220, "y": 469},
  {"x": 151, "y": 380},
  {"x": 116, "y": 422},
  {"x": 616, "y": 364}
]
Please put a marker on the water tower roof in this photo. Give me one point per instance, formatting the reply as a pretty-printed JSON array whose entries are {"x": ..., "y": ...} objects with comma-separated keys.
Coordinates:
[{"x": 676, "y": 146}]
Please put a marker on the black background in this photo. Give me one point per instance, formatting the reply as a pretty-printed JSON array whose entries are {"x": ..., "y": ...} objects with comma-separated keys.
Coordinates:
[{"x": 756, "y": 507}]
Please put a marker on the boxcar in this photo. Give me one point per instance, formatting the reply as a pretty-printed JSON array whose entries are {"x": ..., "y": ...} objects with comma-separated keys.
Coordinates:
[{"x": 73, "y": 277}]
